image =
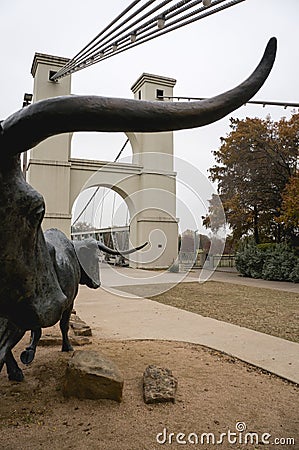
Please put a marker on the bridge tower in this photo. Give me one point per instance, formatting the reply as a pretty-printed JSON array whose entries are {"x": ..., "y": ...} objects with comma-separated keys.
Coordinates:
[
  {"x": 156, "y": 219},
  {"x": 148, "y": 185},
  {"x": 49, "y": 168}
]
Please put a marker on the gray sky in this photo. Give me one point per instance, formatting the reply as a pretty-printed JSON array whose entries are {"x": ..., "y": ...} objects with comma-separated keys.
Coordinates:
[{"x": 207, "y": 58}]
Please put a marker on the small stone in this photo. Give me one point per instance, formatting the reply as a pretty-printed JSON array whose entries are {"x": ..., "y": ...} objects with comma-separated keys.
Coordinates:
[
  {"x": 82, "y": 331},
  {"x": 159, "y": 385},
  {"x": 52, "y": 341},
  {"x": 80, "y": 340},
  {"x": 75, "y": 319},
  {"x": 90, "y": 375},
  {"x": 49, "y": 340},
  {"x": 80, "y": 328}
]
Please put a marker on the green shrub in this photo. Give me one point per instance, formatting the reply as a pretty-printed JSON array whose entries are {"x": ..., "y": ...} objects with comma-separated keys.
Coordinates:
[
  {"x": 250, "y": 261},
  {"x": 279, "y": 263},
  {"x": 266, "y": 246},
  {"x": 294, "y": 276},
  {"x": 268, "y": 261}
]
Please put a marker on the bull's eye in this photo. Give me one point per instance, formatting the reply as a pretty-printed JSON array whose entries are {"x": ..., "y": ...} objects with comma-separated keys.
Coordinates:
[{"x": 37, "y": 214}]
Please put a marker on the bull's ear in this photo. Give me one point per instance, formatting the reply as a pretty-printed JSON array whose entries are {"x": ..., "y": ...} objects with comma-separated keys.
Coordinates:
[{"x": 31, "y": 125}]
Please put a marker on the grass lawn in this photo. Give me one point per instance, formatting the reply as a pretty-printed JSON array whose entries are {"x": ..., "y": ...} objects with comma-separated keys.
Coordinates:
[{"x": 268, "y": 311}]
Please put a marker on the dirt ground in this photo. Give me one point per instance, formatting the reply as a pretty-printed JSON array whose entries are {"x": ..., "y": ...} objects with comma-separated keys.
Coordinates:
[{"x": 215, "y": 392}]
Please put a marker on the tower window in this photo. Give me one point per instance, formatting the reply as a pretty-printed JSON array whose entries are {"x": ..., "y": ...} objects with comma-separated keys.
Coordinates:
[
  {"x": 51, "y": 73},
  {"x": 159, "y": 94}
]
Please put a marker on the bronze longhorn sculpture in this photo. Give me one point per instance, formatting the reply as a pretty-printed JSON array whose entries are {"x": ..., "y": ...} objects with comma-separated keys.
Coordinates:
[
  {"x": 74, "y": 263},
  {"x": 35, "y": 292}
]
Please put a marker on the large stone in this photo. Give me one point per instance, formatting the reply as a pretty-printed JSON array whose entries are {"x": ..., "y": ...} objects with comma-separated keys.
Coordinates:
[
  {"x": 90, "y": 375},
  {"x": 159, "y": 385}
]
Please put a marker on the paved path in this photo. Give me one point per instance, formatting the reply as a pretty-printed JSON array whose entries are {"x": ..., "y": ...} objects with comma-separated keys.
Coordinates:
[
  {"x": 235, "y": 278},
  {"x": 113, "y": 316},
  {"x": 119, "y": 276}
]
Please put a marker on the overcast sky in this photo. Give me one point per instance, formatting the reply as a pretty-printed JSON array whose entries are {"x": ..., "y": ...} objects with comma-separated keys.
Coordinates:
[{"x": 206, "y": 58}]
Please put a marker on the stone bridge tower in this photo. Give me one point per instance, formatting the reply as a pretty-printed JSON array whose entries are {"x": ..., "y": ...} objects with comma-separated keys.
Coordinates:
[{"x": 148, "y": 185}]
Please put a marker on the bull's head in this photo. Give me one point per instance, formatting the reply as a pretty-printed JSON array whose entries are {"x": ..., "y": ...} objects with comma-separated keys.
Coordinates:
[
  {"x": 87, "y": 253},
  {"x": 29, "y": 292}
]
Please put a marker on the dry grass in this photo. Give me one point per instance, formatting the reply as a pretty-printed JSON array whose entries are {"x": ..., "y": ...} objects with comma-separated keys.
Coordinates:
[{"x": 268, "y": 311}]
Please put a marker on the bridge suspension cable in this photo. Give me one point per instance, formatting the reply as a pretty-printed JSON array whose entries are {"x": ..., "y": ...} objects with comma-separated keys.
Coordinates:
[
  {"x": 142, "y": 25},
  {"x": 254, "y": 102}
]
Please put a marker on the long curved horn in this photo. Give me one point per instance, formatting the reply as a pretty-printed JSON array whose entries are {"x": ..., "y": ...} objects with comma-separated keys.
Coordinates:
[
  {"x": 110, "y": 251},
  {"x": 31, "y": 125}
]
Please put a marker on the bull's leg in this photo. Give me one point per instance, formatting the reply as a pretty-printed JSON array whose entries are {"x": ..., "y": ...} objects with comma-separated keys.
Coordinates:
[
  {"x": 10, "y": 335},
  {"x": 64, "y": 327},
  {"x": 27, "y": 356},
  {"x": 13, "y": 370},
  {"x": 6, "y": 339}
]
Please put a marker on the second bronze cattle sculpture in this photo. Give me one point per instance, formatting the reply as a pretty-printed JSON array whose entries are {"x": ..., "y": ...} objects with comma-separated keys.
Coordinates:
[
  {"x": 32, "y": 293},
  {"x": 74, "y": 262}
]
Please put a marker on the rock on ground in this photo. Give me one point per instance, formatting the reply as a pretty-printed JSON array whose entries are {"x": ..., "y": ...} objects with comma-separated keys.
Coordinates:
[
  {"x": 90, "y": 375},
  {"x": 79, "y": 327},
  {"x": 159, "y": 385},
  {"x": 56, "y": 340}
]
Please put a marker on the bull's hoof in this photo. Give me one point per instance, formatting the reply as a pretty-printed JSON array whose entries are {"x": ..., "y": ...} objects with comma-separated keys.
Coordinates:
[
  {"x": 27, "y": 356},
  {"x": 16, "y": 375},
  {"x": 67, "y": 348}
]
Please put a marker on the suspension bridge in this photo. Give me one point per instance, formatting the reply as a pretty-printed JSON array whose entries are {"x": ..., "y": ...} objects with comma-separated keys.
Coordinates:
[{"x": 140, "y": 22}]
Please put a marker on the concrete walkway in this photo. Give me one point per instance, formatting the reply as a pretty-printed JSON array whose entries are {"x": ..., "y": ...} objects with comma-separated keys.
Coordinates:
[
  {"x": 235, "y": 278},
  {"x": 113, "y": 316},
  {"x": 119, "y": 276}
]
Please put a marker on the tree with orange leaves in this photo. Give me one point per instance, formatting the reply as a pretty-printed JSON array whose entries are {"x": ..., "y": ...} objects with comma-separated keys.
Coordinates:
[
  {"x": 254, "y": 165},
  {"x": 289, "y": 211}
]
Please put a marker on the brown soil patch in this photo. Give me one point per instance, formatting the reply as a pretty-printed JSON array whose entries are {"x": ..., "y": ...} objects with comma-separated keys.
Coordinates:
[{"x": 214, "y": 393}]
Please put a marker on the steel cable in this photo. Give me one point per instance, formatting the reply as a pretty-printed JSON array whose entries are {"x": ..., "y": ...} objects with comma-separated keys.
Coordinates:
[
  {"x": 124, "y": 42},
  {"x": 72, "y": 63},
  {"x": 167, "y": 29}
]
